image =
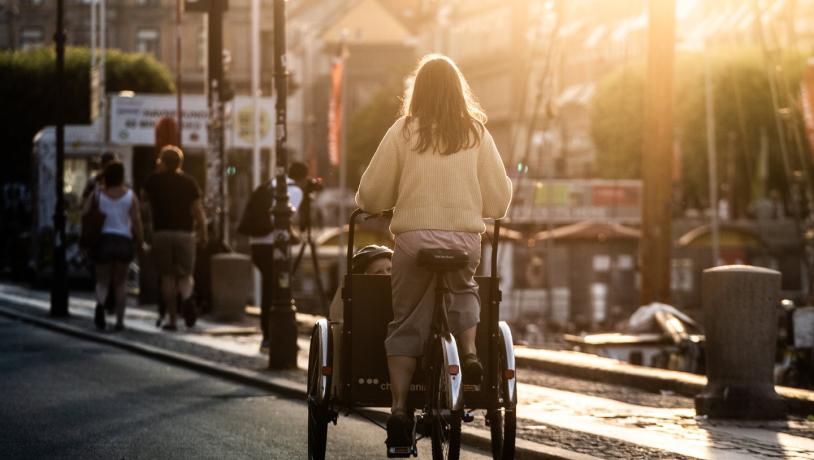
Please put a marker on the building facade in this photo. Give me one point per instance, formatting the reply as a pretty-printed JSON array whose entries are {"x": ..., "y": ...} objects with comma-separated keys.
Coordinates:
[
  {"x": 378, "y": 46},
  {"x": 147, "y": 26}
]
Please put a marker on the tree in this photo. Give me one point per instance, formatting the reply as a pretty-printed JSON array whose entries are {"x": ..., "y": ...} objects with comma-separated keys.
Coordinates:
[
  {"x": 743, "y": 112},
  {"x": 616, "y": 123},
  {"x": 27, "y": 89},
  {"x": 368, "y": 127}
]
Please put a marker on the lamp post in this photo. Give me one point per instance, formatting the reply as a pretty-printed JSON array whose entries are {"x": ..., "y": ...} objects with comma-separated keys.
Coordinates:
[
  {"x": 59, "y": 284},
  {"x": 217, "y": 158},
  {"x": 179, "y": 116},
  {"x": 282, "y": 320},
  {"x": 215, "y": 93}
]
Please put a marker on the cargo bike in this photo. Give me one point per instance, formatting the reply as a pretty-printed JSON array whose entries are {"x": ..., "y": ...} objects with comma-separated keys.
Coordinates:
[{"x": 347, "y": 364}]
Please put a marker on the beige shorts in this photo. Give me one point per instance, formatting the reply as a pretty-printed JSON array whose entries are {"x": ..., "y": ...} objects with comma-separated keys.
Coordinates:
[{"x": 174, "y": 252}]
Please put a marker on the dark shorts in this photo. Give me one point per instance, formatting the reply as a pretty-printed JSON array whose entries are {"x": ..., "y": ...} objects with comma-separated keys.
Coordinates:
[
  {"x": 174, "y": 252},
  {"x": 113, "y": 248}
]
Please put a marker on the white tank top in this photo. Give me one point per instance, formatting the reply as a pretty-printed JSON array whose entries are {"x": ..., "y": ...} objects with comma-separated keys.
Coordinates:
[{"x": 117, "y": 214}]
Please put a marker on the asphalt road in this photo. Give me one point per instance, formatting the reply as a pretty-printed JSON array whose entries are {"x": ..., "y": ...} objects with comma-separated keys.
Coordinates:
[{"x": 61, "y": 397}]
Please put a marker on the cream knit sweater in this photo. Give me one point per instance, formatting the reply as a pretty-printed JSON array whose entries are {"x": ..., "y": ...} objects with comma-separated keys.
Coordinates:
[{"x": 429, "y": 191}]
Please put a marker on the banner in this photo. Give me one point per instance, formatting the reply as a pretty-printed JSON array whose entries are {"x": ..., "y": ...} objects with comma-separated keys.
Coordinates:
[
  {"x": 807, "y": 90},
  {"x": 335, "y": 111},
  {"x": 133, "y": 120},
  {"x": 240, "y": 136},
  {"x": 564, "y": 201}
]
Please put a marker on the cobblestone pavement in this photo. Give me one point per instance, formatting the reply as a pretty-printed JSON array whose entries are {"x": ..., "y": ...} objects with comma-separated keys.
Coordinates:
[
  {"x": 664, "y": 400},
  {"x": 603, "y": 420},
  {"x": 677, "y": 430}
]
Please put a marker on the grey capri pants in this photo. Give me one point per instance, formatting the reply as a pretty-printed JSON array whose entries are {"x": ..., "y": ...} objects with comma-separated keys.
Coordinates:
[{"x": 414, "y": 290}]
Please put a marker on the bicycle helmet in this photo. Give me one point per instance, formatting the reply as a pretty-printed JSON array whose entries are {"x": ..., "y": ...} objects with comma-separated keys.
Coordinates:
[{"x": 366, "y": 255}]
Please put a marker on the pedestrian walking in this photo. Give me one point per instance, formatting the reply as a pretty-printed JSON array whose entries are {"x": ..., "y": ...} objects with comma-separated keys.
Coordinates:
[
  {"x": 439, "y": 170},
  {"x": 94, "y": 185},
  {"x": 173, "y": 201},
  {"x": 257, "y": 224},
  {"x": 120, "y": 234},
  {"x": 97, "y": 181}
]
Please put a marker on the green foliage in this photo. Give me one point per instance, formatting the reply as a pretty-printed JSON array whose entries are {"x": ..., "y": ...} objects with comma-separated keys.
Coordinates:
[
  {"x": 743, "y": 111},
  {"x": 616, "y": 123},
  {"x": 367, "y": 128},
  {"x": 28, "y": 94}
]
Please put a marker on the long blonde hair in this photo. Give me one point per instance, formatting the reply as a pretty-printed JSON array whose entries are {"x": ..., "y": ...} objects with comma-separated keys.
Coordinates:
[{"x": 438, "y": 98}]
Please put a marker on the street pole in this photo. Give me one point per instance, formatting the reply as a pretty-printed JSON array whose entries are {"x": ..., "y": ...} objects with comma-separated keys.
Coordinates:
[
  {"x": 178, "y": 91},
  {"x": 59, "y": 284},
  {"x": 94, "y": 77},
  {"x": 93, "y": 41},
  {"x": 282, "y": 321},
  {"x": 255, "y": 84},
  {"x": 216, "y": 180},
  {"x": 343, "y": 155},
  {"x": 657, "y": 155},
  {"x": 102, "y": 63},
  {"x": 712, "y": 159}
]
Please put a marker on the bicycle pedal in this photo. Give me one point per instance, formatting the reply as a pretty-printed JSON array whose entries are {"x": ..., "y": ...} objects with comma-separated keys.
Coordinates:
[{"x": 400, "y": 451}]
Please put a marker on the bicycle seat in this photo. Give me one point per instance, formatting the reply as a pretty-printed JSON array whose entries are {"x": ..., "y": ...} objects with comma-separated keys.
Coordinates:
[{"x": 442, "y": 260}]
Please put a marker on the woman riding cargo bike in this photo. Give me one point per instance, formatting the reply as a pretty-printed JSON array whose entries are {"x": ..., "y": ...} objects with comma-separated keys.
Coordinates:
[{"x": 440, "y": 173}]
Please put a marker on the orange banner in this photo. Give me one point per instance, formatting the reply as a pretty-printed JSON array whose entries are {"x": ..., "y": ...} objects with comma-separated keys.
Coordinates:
[
  {"x": 335, "y": 112},
  {"x": 807, "y": 99}
]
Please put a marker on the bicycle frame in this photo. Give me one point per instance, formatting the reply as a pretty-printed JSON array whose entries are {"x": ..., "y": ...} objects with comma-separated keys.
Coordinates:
[
  {"x": 491, "y": 379},
  {"x": 451, "y": 360}
]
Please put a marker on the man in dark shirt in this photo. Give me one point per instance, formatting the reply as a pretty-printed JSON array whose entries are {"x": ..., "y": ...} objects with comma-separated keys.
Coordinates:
[{"x": 176, "y": 209}]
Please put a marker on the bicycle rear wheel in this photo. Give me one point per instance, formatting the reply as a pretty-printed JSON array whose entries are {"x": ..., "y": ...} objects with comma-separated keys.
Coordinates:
[
  {"x": 502, "y": 420},
  {"x": 318, "y": 385},
  {"x": 445, "y": 429}
]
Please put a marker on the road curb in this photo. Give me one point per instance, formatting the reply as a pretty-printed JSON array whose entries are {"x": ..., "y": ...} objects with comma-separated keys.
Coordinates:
[
  {"x": 524, "y": 449},
  {"x": 244, "y": 376},
  {"x": 470, "y": 436}
]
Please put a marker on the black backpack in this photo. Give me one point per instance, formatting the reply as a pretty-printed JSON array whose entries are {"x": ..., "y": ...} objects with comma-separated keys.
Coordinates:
[{"x": 256, "y": 219}]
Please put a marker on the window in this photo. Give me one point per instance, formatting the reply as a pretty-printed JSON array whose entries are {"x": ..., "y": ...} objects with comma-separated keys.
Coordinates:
[
  {"x": 31, "y": 37},
  {"x": 625, "y": 262},
  {"x": 147, "y": 41},
  {"x": 681, "y": 275},
  {"x": 599, "y": 304},
  {"x": 601, "y": 263}
]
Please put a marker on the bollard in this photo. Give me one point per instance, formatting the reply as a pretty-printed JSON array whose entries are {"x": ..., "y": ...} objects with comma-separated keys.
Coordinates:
[
  {"x": 232, "y": 280},
  {"x": 740, "y": 324}
]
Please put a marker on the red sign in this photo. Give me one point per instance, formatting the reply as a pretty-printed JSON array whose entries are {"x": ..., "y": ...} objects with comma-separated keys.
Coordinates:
[{"x": 609, "y": 195}]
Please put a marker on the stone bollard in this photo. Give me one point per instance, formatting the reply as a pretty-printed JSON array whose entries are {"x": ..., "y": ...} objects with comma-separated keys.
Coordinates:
[
  {"x": 740, "y": 308},
  {"x": 232, "y": 280}
]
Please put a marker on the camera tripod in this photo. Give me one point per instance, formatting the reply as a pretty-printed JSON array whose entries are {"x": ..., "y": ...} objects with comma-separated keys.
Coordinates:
[{"x": 305, "y": 227}]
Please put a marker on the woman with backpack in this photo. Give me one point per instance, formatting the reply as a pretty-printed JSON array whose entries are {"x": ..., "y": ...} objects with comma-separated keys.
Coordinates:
[{"x": 121, "y": 232}]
